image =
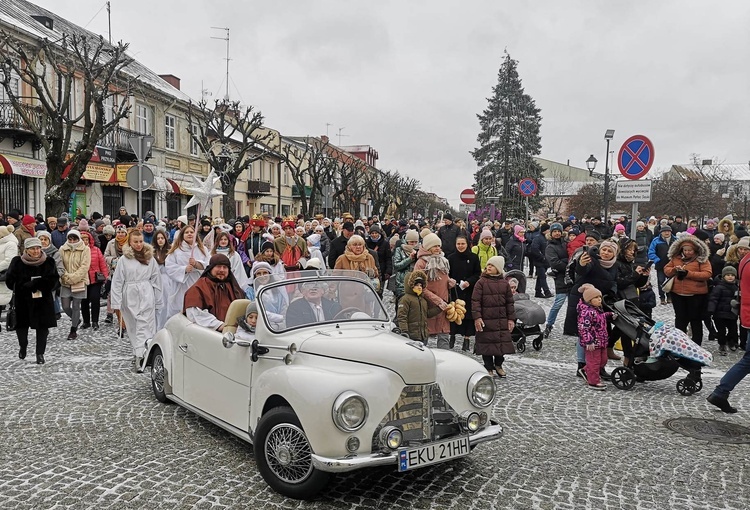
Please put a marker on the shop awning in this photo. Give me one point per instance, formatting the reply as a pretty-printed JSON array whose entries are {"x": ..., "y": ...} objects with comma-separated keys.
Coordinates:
[
  {"x": 165, "y": 184},
  {"x": 22, "y": 166}
]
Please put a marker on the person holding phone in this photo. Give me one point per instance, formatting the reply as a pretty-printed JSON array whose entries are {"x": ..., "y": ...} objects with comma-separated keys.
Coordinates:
[{"x": 630, "y": 277}]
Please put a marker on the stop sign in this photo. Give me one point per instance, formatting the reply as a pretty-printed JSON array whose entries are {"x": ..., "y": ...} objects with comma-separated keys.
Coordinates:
[{"x": 468, "y": 196}]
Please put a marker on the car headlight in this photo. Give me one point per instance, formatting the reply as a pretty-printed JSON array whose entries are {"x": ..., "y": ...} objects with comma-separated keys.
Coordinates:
[
  {"x": 391, "y": 437},
  {"x": 350, "y": 411},
  {"x": 470, "y": 421},
  {"x": 481, "y": 389}
]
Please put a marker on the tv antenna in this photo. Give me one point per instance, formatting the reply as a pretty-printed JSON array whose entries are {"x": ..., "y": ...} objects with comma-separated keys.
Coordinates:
[
  {"x": 340, "y": 135},
  {"x": 328, "y": 124},
  {"x": 226, "y": 94}
]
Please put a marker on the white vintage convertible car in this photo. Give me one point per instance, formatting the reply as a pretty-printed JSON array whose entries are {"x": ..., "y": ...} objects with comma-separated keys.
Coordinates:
[{"x": 324, "y": 389}]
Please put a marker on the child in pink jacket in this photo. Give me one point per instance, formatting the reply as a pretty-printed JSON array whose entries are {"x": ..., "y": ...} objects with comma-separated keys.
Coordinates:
[{"x": 593, "y": 334}]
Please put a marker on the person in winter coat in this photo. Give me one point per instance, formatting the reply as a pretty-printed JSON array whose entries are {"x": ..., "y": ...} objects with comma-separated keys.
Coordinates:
[
  {"x": 688, "y": 263},
  {"x": 33, "y": 276},
  {"x": 726, "y": 227},
  {"x": 556, "y": 254},
  {"x": 291, "y": 248},
  {"x": 377, "y": 242},
  {"x": 325, "y": 243},
  {"x": 465, "y": 269},
  {"x": 537, "y": 251},
  {"x": 430, "y": 259},
  {"x": 404, "y": 258},
  {"x": 485, "y": 247},
  {"x": 629, "y": 278},
  {"x": 25, "y": 230},
  {"x": 448, "y": 234},
  {"x": 723, "y": 306},
  {"x": 8, "y": 251},
  {"x": 717, "y": 247},
  {"x": 494, "y": 317},
  {"x": 657, "y": 252},
  {"x": 136, "y": 292},
  {"x": 91, "y": 305},
  {"x": 515, "y": 249},
  {"x": 73, "y": 266},
  {"x": 532, "y": 232},
  {"x": 413, "y": 309},
  {"x": 643, "y": 238},
  {"x": 592, "y": 333},
  {"x": 185, "y": 262}
]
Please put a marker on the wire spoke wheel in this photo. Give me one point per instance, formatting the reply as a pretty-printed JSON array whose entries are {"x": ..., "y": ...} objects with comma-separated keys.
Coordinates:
[
  {"x": 288, "y": 453},
  {"x": 157, "y": 373}
]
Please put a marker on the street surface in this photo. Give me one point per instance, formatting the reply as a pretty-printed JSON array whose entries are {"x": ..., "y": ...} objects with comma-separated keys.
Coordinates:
[{"x": 84, "y": 431}]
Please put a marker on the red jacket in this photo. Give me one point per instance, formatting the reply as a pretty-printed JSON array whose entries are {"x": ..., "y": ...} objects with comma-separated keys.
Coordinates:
[
  {"x": 98, "y": 265},
  {"x": 576, "y": 243},
  {"x": 744, "y": 275}
]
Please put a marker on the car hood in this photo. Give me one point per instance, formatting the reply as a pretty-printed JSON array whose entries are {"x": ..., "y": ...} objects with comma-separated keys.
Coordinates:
[{"x": 409, "y": 359}]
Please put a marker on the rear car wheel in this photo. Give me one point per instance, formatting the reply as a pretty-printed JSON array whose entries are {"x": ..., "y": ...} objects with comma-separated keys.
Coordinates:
[
  {"x": 157, "y": 376},
  {"x": 284, "y": 455}
]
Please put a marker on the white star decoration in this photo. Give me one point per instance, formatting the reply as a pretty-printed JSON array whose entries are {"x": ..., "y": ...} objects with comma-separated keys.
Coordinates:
[{"x": 204, "y": 191}]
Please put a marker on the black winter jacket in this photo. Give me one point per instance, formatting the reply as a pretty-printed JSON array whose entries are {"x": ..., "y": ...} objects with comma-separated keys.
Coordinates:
[
  {"x": 537, "y": 250},
  {"x": 515, "y": 249},
  {"x": 384, "y": 259},
  {"x": 33, "y": 312},
  {"x": 720, "y": 301},
  {"x": 556, "y": 254}
]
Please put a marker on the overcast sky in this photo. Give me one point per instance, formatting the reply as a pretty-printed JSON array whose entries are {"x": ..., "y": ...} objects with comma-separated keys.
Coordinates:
[{"x": 409, "y": 77}]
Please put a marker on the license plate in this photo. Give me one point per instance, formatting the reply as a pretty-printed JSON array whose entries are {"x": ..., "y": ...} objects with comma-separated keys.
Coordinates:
[{"x": 412, "y": 458}]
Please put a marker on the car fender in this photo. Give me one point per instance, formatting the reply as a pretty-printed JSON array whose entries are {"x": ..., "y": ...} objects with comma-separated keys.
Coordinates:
[
  {"x": 311, "y": 385},
  {"x": 164, "y": 340},
  {"x": 453, "y": 373}
]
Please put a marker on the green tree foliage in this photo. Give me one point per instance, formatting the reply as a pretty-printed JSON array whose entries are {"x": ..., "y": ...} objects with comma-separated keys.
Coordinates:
[{"x": 508, "y": 141}]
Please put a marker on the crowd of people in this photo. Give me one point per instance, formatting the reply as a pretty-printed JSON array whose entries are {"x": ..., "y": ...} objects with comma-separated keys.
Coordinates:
[{"x": 149, "y": 270}]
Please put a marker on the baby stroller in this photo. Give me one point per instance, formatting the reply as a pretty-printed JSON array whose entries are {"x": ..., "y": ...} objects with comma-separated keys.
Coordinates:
[
  {"x": 657, "y": 353},
  {"x": 529, "y": 315}
]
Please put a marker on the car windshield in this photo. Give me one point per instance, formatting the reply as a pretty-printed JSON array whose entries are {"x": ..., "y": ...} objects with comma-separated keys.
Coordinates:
[{"x": 306, "y": 298}]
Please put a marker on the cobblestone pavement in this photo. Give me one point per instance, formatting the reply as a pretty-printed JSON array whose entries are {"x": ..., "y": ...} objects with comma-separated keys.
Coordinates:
[{"x": 83, "y": 431}]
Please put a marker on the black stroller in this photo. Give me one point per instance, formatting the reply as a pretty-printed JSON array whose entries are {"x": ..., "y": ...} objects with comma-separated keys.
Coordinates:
[
  {"x": 529, "y": 315},
  {"x": 636, "y": 325}
]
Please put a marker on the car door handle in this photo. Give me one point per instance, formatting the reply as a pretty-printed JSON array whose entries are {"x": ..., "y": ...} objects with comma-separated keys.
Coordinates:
[{"x": 183, "y": 347}]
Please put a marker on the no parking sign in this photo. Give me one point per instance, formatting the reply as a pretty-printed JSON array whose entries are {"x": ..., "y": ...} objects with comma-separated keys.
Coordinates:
[{"x": 636, "y": 157}]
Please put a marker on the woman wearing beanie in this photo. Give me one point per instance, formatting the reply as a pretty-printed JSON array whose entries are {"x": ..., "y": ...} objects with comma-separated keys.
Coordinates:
[
  {"x": 592, "y": 333},
  {"x": 73, "y": 266},
  {"x": 598, "y": 269},
  {"x": 515, "y": 249},
  {"x": 33, "y": 276},
  {"x": 268, "y": 255},
  {"x": 688, "y": 263},
  {"x": 465, "y": 270},
  {"x": 485, "y": 248},
  {"x": 430, "y": 259},
  {"x": 136, "y": 292},
  {"x": 494, "y": 317},
  {"x": 404, "y": 258},
  {"x": 8, "y": 251}
]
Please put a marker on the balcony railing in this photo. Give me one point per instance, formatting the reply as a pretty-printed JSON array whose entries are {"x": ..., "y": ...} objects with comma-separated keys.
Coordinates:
[
  {"x": 10, "y": 119},
  {"x": 258, "y": 188},
  {"x": 119, "y": 139}
]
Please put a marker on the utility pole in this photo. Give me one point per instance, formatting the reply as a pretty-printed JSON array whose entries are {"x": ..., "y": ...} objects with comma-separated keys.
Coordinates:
[
  {"x": 226, "y": 94},
  {"x": 109, "y": 21},
  {"x": 328, "y": 124}
]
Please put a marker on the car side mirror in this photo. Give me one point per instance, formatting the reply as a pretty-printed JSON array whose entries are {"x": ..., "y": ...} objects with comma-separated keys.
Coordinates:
[{"x": 228, "y": 340}]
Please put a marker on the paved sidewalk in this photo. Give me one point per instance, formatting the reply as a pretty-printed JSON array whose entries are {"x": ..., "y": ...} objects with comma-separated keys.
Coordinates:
[{"x": 83, "y": 431}]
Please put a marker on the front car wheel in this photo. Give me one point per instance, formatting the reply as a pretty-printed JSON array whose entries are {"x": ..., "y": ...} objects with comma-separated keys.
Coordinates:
[
  {"x": 157, "y": 376},
  {"x": 284, "y": 455}
]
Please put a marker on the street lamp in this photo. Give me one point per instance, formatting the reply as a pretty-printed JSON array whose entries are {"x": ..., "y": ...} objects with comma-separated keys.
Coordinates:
[
  {"x": 608, "y": 135},
  {"x": 591, "y": 164}
]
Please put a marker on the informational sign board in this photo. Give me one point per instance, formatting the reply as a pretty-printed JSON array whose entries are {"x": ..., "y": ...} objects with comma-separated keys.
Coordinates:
[{"x": 633, "y": 191}]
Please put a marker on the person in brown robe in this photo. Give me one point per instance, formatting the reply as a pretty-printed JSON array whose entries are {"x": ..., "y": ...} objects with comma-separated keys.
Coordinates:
[{"x": 207, "y": 301}]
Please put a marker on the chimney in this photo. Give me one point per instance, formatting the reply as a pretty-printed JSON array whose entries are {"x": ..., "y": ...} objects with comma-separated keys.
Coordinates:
[
  {"x": 324, "y": 138},
  {"x": 171, "y": 79}
]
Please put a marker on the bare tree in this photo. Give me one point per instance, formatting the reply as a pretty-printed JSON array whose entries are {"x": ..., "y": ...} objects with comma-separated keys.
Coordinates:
[
  {"x": 231, "y": 137},
  {"x": 589, "y": 200},
  {"x": 309, "y": 157},
  {"x": 558, "y": 186},
  {"x": 55, "y": 71}
]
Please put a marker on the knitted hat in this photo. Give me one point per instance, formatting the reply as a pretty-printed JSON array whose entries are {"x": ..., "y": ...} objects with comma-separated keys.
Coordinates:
[
  {"x": 589, "y": 292},
  {"x": 619, "y": 227},
  {"x": 252, "y": 307},
  {"x": 719, "y": 237},
  {"x": 98, "y": 223},
  {"x": 665, "y": 228},
  {"x": 555, "y": 226},
  {"x": 83, "y": 226},
  {"x": 610, "y": 244},
  {"x": 40, "y": 234},
  {"x": 498, "y": 262},
  {"x": 544, "y": 228},
  {"x": 448, "y": 216},
  {"x": 4, "y": 231},
  {"x": 109, "y": 230},
  {"x": 268, "y": 245},
  {"x": 486, "y": 234},
  {"x": 430, "y": 241},
  {"x": 74, "y": 232},
  {"x": 31, "y": 242},
  {"x": 728, "y": 270},
  {"x": 593, "y": 234},
  {"x": 744, "y": 242},
  {"x": 640, "y": 224},
  {"x": 28, "y": 220},
  {"x": 424, "y": 232},
  {"x": 219, "y": 260},
  {"x": 261, "y": 265},
  {"x": 412, "y": 235}
]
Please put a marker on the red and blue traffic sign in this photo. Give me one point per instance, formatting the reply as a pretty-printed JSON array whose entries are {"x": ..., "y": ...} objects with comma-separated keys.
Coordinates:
[
  {"x": 527, "y": 187},
  {"x": 636, "y": 157}
]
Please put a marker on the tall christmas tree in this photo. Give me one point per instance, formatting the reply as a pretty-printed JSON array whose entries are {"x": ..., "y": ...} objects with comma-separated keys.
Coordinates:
[{"x": 508, "y": 141}]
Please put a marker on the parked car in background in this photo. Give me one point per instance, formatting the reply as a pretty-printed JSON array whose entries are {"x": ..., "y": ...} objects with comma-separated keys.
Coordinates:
[{"x": 324, "y": 396}]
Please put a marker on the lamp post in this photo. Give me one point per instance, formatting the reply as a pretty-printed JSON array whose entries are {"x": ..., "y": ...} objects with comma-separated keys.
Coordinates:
[{"x": 608, "y": 135}]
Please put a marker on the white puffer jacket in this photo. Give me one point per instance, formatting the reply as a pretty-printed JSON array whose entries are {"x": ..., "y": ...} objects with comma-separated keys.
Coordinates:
[{"x": 8, "y": 250}]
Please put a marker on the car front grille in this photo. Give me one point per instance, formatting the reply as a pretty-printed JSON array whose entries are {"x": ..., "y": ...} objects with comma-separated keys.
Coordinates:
[{"x": 422, "y": 414}]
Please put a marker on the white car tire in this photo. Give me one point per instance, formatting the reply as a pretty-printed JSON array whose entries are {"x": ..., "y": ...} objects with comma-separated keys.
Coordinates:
[{"x": 284, "y": 455}]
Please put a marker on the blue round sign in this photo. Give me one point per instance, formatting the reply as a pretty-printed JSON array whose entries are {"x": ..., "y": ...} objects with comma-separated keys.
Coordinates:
[
  {"x": 636, "y": 157},
  {"x": 527, "y": 187}
]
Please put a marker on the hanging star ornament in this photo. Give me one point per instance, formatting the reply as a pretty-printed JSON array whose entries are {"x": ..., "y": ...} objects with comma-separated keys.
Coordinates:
[{"x": 204, "y": 191}]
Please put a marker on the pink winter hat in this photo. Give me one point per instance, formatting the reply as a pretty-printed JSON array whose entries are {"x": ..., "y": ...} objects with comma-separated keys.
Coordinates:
[
  {"x": 619, "y": 227},
  {"x": 83, "y": 225}
]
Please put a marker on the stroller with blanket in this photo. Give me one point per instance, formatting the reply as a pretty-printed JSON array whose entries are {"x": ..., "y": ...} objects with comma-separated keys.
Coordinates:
[
  {"x": 657, "y": 352},
  {"x": 529, "y": 315}
]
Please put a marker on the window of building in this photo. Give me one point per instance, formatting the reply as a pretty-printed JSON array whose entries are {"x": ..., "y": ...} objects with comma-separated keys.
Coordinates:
[
  {"x": 250, "y": 172},
  {"x": 268, "y": 209},
  {"x": 286, "y": 210},
  {"x": 15, "y": 86},
  {"x": 169, "y": 132},
  {"x": 285, "y": 174},
  {"x": 193, "y": 143},
  {"x": 112, "y": 199},
  {"x": 142, "y": 119},
  {"x": 148, "y": 201}
]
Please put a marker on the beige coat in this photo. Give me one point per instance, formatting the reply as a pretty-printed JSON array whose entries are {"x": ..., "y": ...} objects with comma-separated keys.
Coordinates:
[{"x": 74, "y": 264}]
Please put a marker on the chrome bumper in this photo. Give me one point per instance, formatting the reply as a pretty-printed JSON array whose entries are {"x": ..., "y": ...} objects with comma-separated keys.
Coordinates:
[{"x": 494, "y": 431}]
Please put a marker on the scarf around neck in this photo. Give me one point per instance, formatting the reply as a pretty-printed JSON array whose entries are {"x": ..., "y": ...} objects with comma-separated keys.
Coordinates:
[
  {"x": 31, "y": 261},
  {"x": 436, "y": 264}
]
